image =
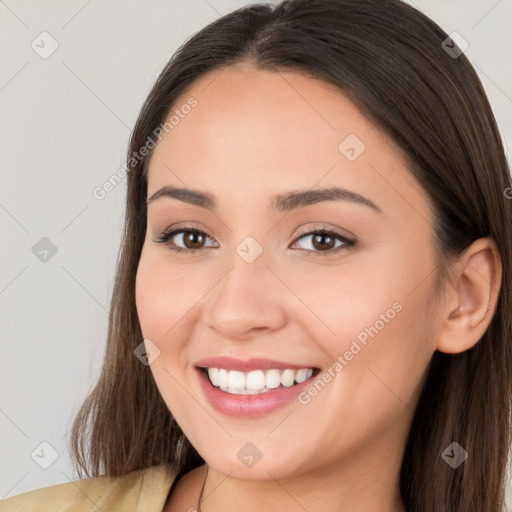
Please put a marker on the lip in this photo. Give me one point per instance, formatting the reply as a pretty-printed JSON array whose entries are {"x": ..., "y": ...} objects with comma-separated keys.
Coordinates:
[
  {"x": 241, "y": 365},
  {"x": 250, "y": 406}
]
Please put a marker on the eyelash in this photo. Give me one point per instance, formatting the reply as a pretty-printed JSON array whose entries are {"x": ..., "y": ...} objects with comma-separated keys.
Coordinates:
[{"x": 164, "y": 238}]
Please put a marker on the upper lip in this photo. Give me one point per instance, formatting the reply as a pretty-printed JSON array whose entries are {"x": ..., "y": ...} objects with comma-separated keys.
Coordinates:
[{"x": 246, "y": 365}]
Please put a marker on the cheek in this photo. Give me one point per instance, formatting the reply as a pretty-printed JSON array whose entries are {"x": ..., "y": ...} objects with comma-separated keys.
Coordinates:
[
  {"x": 162, "y": 302},
  {"x": 168, "y": 306},
  {"x": 380, "y": 355},
  {"x": 150, "y": 297},
  {"x": 377, "y": 320},
  {"x": 349, "y": 301},
  {"x": 164, "y": 297}
]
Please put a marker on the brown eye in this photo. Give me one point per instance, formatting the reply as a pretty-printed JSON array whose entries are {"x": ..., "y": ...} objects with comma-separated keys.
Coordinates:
[
  {"x": 325, "y": 242},
  {"x": 193, "y": 240},
  {"x": 184, "y": 239}
]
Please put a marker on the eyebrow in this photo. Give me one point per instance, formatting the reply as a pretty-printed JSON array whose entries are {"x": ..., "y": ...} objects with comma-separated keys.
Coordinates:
[{"x": 282, "y": 202}]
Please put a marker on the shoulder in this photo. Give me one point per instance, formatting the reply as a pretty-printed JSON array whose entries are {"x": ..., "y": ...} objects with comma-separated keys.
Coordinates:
[{"x": 107, "y": 493}]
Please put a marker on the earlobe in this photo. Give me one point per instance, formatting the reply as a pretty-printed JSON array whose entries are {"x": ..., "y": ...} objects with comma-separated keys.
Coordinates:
[{"x": 472, "y": 295}]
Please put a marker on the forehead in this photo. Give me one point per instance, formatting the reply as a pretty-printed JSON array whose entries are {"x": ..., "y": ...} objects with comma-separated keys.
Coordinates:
[
  {"x": 262, "y": 131},
  {"x": 244, "y": 111}
]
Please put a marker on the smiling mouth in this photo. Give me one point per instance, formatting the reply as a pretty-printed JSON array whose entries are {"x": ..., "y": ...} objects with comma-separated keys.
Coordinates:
[{"x": 257, "y": 381}]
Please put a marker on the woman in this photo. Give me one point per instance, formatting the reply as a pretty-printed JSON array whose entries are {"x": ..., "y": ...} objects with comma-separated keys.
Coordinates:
[{"x": 312, "y": 304}]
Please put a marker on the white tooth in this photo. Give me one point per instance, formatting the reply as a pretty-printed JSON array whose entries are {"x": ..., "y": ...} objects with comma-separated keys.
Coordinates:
[
  {"x": 272, "y": 379},
  {"x": 255, "y": 380},
  {"x": 223, "y": 378},
  {"x": 213, "y": 373},
  {"x": 236, "y": 379},
  {"x": 287, "y": 378},
  {"x": 301, "y": 376},
  {"x": 244, "y": 391}
]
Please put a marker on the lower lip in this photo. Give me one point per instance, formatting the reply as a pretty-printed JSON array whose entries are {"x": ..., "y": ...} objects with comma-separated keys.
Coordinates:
[{"x": 250, "y": 406}]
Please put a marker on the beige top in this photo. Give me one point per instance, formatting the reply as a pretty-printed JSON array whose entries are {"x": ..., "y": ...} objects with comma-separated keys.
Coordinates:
[{"x": 145, "y": 490}]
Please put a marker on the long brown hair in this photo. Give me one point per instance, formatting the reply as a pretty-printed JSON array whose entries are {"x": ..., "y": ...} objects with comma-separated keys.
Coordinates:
[{"x": 389, "y": 59}]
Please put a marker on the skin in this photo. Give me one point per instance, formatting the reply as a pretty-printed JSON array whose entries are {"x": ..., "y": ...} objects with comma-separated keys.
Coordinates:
[{"x": 254, "y": 134}]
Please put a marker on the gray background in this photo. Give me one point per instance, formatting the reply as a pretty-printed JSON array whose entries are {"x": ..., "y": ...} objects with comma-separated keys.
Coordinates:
[{"x": 64, "y": 127}]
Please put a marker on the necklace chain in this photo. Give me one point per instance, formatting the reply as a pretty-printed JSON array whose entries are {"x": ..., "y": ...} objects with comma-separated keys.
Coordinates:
[{"x": 202, "y": 490}]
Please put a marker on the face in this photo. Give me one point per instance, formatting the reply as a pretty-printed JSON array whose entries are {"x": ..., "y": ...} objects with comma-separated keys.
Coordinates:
[{"x": 334, "y": 284}]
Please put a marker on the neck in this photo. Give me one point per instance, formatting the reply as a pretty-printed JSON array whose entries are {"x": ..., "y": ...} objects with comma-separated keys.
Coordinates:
[{"x": 367, "y": 486}]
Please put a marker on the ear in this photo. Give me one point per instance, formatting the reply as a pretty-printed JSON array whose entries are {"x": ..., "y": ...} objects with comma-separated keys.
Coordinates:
[{"x": 471, "y": 294}]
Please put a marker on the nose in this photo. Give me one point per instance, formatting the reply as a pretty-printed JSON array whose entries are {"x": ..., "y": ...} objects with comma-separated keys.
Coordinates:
[{"x": 248, "y": 300}]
